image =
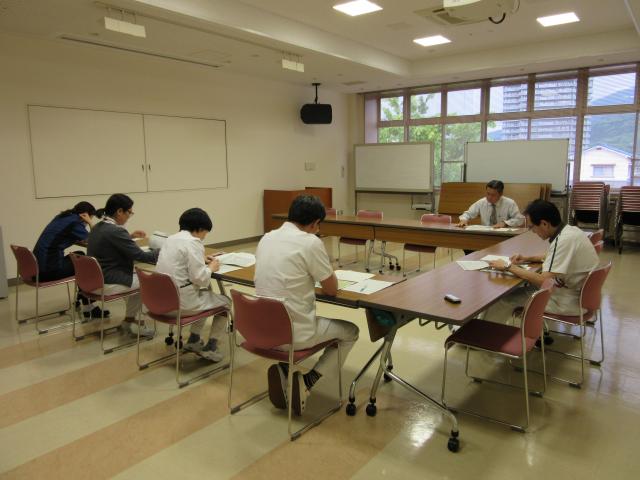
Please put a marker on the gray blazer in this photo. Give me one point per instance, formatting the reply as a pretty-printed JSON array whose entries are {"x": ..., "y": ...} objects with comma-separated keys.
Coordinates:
[{"x": 116, "y": 251}]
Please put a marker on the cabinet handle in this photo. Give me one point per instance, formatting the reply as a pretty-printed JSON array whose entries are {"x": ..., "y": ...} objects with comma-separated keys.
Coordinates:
[
  {"x": 142, "y": 167},
  {"x": 149, "y": 167}
]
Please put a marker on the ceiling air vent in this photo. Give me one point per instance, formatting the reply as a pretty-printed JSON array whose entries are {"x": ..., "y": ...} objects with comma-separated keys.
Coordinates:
[
  {"x": 441, "y": 16},
  {"x": 353, "y": 82}
]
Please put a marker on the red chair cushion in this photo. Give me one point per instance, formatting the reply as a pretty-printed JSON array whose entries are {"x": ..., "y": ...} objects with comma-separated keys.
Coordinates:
[
  {"x": 109, "y": 298},
  {"x": 494, "y": 337},
  {"x": 419, "y": 248},
  {"x": 572, "y": 319},
  {"x": 283, "y": 356},
  {"x": 189, "y": 319}
]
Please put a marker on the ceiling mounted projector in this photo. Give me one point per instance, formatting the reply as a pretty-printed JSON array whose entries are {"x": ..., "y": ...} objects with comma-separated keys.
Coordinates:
[
  {"x": 465, "y": 12},
  {"x": 316, "y": 113}
]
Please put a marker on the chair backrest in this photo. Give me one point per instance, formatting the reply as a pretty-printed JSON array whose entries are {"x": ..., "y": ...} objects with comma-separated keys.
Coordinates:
[
  {"x": 264, "y": 322},
  {"x": 591, "y": 293},
  {"x": 630, "y": 199},
  {"x": 26, "y": 261},
  {"x": 599, "y": 246},
  {"x": 369, "y": 214},
  {"x": 435, "y": 218},
  {"x": 88, "y": 273},
  {"x": 331, "y": 212},
  {"x": 596, "y": 236},
  {"x": 158, "y": 292},
  {"x": 532, "y": 317}
]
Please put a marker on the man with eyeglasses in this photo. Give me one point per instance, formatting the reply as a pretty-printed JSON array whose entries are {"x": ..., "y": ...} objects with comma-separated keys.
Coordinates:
[{"x": 114, "y": 248}]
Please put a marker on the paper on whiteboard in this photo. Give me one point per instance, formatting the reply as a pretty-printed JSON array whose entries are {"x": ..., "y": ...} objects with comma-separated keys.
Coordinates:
[{"x": 241, "y": 259}]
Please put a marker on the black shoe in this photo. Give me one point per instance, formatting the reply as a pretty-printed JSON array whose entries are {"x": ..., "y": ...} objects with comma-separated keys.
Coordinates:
[
  {"x": 277, "y": 378},
  {"x": 96, "y": 313}
]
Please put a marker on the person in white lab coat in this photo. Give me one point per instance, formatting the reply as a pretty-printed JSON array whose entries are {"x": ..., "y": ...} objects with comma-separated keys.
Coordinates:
[{"x": 183, "y": 258}]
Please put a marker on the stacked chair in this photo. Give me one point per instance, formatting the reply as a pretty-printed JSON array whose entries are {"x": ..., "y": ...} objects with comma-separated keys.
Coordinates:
[
  {"x": 588, "y": 203},
  {"x": 627, "y": 212}
]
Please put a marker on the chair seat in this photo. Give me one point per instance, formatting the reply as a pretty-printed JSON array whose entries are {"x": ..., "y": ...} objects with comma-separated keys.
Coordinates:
[
  {"x": 572, "y": 319},
  {"x": 282, "y": 355},
  {"x": 189, "y": 319},
  {"x": 419, "y": 248},
  {"x": 108, "y": 298},
  {"x": 51, "y": 283},
  {"x": 495, "y": 337},
  {"x": 353, "y": 241}
]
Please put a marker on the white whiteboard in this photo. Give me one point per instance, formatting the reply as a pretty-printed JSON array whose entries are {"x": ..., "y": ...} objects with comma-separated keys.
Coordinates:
[
  {"x": 395, "y": 167},
  {"x": 519, "y": 161},
  {"x": 71, "y": 148},
  {"x": 196, "y": 145}
]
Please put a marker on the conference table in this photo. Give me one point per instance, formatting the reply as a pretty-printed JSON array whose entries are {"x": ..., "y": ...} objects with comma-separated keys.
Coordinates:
[
  {"x": 423, "y": 297},
  {"x": 410, "y": 231}
]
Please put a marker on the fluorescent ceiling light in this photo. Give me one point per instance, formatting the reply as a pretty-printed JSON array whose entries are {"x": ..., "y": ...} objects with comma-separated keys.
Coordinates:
[
  {"x": 430, "y": 41},
  {"x": 559, "y": 19},
  {"x": 357, "y": 7}
]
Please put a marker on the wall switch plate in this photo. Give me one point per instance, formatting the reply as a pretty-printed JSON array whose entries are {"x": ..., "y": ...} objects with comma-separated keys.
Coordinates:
[{"x": 309, "y": 166}]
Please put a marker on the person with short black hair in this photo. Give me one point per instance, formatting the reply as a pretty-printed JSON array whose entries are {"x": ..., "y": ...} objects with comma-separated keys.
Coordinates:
[
  {"x": 569, "y": 258},
  {"x": 183, "y": 258},
  {"x": 494, "y": 209},
  {"x": 114, "y": 248},
  {"x": 67, "y": 228},
  {"x": 289, "y": 262}
]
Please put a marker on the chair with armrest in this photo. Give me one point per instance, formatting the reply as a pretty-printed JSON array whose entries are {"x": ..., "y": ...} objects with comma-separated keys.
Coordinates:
[
  {"x": 590, "y": 302},
  {"x": 29, "y": 273},
  {"x": 507, "y": 341},
  {"x": 89, "y": 279},
  {"x": 161, "y": 297},
  {"x": 426, "y": 219},
  {"x": 266, "y": 327}
]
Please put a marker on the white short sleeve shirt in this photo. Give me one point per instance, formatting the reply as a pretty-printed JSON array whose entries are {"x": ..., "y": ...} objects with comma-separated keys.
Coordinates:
[
  {"x": 289, "y": 262},
  {"x": 571, "y": 256}
]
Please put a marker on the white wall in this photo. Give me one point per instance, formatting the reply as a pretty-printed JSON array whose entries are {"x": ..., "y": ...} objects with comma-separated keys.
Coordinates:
[{"x": 267, "y": 143}]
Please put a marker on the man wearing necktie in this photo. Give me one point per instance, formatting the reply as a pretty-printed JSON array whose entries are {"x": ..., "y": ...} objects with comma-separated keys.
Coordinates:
[{"x": 495, "y": 210}]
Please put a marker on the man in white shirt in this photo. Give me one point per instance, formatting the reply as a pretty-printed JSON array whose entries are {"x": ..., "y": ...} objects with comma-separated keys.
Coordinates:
[
  {"x": 183, "y": 258},
  {"x": 568, "y": 260},
  {"x": 289, "y": 261},
  {"x": 495, "y": 210}
]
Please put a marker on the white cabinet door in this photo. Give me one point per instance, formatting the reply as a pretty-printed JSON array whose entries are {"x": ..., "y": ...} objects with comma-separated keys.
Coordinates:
[
  {"x": 185, "y": 153},
  {"x": 86, "y": 152}
]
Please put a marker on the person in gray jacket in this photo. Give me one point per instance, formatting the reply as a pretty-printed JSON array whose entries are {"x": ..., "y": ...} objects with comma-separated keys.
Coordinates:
[{"x": 114, "y": 248}]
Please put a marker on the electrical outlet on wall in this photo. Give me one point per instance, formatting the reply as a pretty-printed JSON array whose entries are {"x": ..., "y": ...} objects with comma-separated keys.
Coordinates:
[{"x": 309, "y": 166}]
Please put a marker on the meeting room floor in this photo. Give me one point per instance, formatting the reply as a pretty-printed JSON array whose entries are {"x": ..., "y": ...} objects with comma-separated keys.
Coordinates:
[{"x": 68, "y": 411}]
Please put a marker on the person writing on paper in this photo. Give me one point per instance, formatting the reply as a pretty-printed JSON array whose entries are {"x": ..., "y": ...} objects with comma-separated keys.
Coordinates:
[
  {"x": 183, "y": 258},
  {"x": 289, "y": 261},
  {"x": 569, "y": 258},
  {"x": 495, "y": 210},
  {"x": 114, "y": 248}
]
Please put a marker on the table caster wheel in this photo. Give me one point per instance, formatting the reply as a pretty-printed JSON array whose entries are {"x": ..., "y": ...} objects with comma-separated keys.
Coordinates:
[
  {"x": 168, "y": 340},
  {"x": 372, "y": 410},
  {"x": 387, "y": 378},
  {"x": 351, "y": 409},
  {"x": 398, "y": 267},
  {"x": 453, "y": 444}
]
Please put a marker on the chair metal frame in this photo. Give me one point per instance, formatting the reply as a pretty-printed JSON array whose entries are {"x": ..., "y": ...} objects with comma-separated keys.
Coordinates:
[
  {"x": 540, "y": 296},
  {"x": 25, "y": 277},
  {"x": 427, "y": 218},
  {"x": 239, "y": 297},
  {"x": 102, "y": 298},
  {"x": 368, "y": 244},
  {"x": 179, "y": 321},
  {"x": 594, "y": 311}
]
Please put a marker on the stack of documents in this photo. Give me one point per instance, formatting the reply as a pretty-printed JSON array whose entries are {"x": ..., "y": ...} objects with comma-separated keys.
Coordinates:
[{"x": 239, "y": 259}]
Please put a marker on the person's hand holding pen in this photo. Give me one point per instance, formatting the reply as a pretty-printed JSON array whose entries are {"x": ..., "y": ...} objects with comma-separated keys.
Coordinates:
[
  {"x": 518, "y": 259},
  {"x": 500, "y": 265}
]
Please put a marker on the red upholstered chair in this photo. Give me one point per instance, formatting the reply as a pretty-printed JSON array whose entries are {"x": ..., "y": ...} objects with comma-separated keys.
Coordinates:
[
  {"x": 596, "y": 236},
  {"x": 599, "y": 246},
  {"x": 505, "y": 340},
  {"x": 89, "y": 279},
  {"x": 161, "y": 297},
  {"x": 356, "y": 242},
  {"x": 29, "y": 273},
  {"x": 590, "y": 301},
  {"x": 265, "y": 325},
  {"x": 426, "y": 219},
  {"x": 331, "y": 212}
]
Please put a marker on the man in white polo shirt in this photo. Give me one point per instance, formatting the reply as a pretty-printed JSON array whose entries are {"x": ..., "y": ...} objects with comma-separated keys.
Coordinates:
[{"x": 289, "y": 261}]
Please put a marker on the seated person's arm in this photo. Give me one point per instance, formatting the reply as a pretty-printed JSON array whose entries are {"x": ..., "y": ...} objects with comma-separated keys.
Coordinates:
[
  {"x": 514, "y": 217},
  {"x": 472, "y": 212},
  {"x": 138, "y": 234},
  {"x": 127, "y": 247},
  {"x": 199, "y": 271},
  {"x": 330, "y": 285},
  {"x": 534, "y": 278}
]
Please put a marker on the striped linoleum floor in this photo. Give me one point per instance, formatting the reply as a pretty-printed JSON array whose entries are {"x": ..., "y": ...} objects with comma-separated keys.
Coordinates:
[{"x": 68, "y": 411}]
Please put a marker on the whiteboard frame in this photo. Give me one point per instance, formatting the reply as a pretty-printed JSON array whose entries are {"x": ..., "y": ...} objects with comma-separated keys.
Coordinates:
[
  {"x": 566, "y": 164},
  {"x": 429, "y": 189}
]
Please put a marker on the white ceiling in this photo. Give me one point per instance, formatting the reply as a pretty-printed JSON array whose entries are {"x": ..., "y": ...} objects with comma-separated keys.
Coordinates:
[{"x": 348, "y": 54}]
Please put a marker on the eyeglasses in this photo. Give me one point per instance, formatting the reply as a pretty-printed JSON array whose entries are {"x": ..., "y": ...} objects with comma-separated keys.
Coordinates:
[{"x": 130, "y": 212}]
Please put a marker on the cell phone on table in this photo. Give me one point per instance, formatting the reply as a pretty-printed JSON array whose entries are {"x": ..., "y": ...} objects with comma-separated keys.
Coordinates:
[{"x": 449, "y": 297}]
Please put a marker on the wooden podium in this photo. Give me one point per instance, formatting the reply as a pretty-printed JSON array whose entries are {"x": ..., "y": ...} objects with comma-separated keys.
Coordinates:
[{"x": 278, "y": 201}]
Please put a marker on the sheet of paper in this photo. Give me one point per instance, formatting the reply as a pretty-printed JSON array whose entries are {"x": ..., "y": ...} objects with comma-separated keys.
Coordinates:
[
  {"x": 478, "y": 227},
  {"x": 472, "y": 264},
  {"x": 367, "y": 287},
  {"x": 227, "y": 268},
  {"x": 506, "y": 229},
  {"x": 241, "y": 259},
  {"x": 341, "y": 284},
  {"x": 352, "y": 276},
  {"x": 493, "y": 258}
]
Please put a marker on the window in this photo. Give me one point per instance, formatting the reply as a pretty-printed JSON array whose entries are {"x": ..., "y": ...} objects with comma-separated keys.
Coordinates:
[
  {"x": 557, "y": 127},
  {"x": 390, "y": 134},
  {"x": 507, "y": 130},
  {"x": 426, "y": 105},
  {"x": 391, "y": 108},
  {"x": 611, "y": 89},
  {"x": 456, "y": 136},
  {"x": 555, "y": 94},
  {"x": 607, "y": 141},
  {"x": 463, "y": 102},
  {"x": 508, "y": 98},
  {"x": 430, "y": 133}
]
